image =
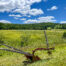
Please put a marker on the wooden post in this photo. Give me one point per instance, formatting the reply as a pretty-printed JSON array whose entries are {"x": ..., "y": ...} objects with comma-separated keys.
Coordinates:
[{"x": 46, "y": 39}]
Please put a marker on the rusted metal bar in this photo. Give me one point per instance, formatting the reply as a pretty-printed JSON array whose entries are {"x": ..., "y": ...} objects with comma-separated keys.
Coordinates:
[
  {"x": 25, "y": 53},
  {"x": 16, "y": 50},
  {"x": 29, "y": 56},
  {"x": 42, "y": 49},
  {"x": 11, "y": 47}
]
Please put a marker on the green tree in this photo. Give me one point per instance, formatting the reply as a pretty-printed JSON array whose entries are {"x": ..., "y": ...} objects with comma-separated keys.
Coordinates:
[
  {"x": 58, "y": 27},
  {"x": 49, "y": 28}
]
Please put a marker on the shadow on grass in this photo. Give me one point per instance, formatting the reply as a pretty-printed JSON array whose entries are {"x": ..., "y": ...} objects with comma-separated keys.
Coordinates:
[{"x": 29, "y": 62}]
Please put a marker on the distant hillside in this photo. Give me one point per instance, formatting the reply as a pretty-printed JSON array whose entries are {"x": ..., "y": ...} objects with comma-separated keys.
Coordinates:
[{"x": 37, "y": 26}]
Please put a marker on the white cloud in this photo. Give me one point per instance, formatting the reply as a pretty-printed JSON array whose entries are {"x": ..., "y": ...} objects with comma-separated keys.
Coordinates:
[
  {"x": 4, "y": 21},
  {"x": 28, "y": 16},
  {"x": 31, "y": 21},
  {"x": 13, "y": 15},
  {"x": 63, "y": 22},
  {"x": 22, "y": 11},
  {"x": 42, "y": 19},
  {"x": 53, "y": 8},
  {"x": 20, "y": 6},
  {"x": 16, "y": 18},
  {"x": 6, "y": 5},
  {"x": 47, "y": 19},
  {"x": 65, "y": 8},
  {"x": 35, "y": 12},
  {"x": 45, "y": 0},
  {"x": 23, "y": 19}
]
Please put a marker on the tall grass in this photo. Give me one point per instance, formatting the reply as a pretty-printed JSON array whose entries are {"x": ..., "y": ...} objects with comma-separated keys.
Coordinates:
[
  {"x": 28, "y": 40},
  {"x": 27, "y": 37}
]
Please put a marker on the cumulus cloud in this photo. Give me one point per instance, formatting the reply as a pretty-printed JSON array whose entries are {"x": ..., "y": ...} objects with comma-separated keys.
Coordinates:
[
  {"x": 65, "y": 8},
  {"x": 52, "y": 8},
  {"x": 33, "y": 12},
  {"x": 4, "y": 21},
  {"x": 42, "y": 19},
  {"x": 23, "y": 19},
  {"x": 31, "y": 21},
  {"x": 63, "y": 22},
  {"x": 36, "y": 12},
  {"x": 6, "y": 5},
  {"x": 47, "y": 19},
  {"x": 45, "y": 0},
  {"x": 19, "y": 6},
  {"x": 16, "y": 18},
  {"x": 13, "y": 15},
  {"x": 28, "y": 16},
  {"x": 22, "y": 11}
]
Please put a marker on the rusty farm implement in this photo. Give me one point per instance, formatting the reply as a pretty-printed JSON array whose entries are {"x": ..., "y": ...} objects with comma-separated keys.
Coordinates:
[{"x": 30, "y": 56}]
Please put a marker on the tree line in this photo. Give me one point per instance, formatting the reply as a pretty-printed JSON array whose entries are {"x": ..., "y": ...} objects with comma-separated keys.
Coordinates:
[{"x": 37, "y": 26}]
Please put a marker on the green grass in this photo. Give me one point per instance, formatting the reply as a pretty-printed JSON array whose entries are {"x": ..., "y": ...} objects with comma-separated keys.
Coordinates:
[{"x": 28, "y": 40}]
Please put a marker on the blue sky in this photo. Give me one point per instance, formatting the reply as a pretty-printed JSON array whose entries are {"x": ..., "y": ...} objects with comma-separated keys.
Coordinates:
[{"x": 32, "y": 11}]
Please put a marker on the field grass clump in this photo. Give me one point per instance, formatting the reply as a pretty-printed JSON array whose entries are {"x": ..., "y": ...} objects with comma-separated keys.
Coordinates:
[
  {"x": 28, "y": 40},
  {"x": 64, "y": 35}
]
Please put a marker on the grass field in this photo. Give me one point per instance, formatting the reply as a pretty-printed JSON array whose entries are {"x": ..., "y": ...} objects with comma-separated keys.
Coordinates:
[{"x": 28, "y": 40}]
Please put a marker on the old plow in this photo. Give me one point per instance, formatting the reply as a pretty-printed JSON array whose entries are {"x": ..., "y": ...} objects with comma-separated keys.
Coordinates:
[{"x": 28, "y": 55}]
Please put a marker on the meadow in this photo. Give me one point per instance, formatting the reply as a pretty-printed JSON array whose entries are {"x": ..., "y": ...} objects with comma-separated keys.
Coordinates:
[{"x": 28, "y": 40}]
